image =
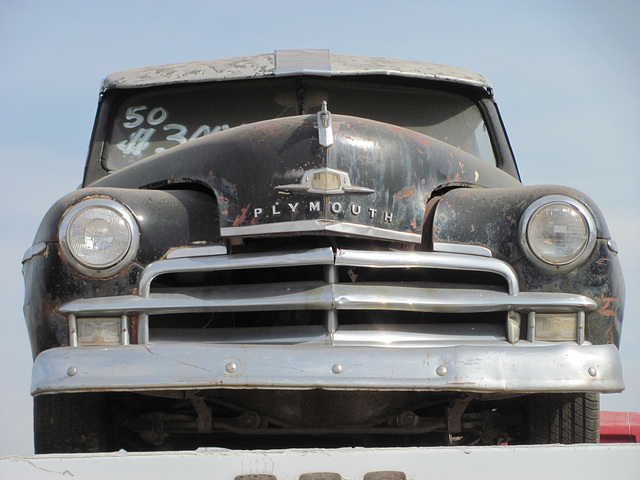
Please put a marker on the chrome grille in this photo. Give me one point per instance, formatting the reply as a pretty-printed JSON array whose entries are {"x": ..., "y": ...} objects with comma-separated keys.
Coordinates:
[{"x": 328, "y": 295}]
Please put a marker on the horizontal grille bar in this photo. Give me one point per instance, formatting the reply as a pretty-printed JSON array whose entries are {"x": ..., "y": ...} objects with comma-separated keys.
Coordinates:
[
  {"x": 319, "y": 256},
  {"x": 362, "y": 258},
  {"x": 319, "y": 296}
]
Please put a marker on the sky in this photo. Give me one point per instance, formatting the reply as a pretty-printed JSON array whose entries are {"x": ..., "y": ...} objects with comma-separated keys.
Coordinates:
[{"x": 565, "y": 76}]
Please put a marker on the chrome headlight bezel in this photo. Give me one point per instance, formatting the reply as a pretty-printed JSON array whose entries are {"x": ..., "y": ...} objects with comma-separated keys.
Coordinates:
[
  {"x": 538, "y": 259},
  {"x": 121, "y": 260}
]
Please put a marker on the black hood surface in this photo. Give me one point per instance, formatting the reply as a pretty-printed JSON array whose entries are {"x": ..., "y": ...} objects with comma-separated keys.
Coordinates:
[{"x": 274, "y": 177}]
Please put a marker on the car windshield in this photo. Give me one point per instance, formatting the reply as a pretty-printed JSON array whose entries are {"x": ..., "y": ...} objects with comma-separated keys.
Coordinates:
[{"x": 152, "y": 120}]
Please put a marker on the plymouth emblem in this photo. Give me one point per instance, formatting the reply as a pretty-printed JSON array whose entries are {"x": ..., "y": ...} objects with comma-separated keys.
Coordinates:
[{"x": 324, "y": 181}]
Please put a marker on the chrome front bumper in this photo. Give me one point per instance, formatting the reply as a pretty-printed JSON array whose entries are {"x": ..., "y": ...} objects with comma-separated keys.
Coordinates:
[{"x": 522, "y": 368}]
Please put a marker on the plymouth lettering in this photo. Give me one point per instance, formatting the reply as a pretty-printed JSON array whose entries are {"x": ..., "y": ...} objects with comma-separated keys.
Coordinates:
[{"x": 336, "y": 208}]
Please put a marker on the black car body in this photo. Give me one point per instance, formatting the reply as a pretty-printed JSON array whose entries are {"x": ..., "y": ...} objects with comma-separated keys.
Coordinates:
[{"x": 313, "y": 249}]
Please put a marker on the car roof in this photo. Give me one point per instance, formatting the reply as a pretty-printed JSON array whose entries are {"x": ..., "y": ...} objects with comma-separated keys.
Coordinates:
[{"x": 288, "y": 63}]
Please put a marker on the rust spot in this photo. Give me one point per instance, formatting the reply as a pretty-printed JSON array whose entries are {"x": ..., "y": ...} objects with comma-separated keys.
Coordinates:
[
  {"x": 242, "y": 217},
  {"x": 461, "y": 166},
  {"x": 604, "y": 310},
  {"x": 414, "y": 224},
  {"x": 404, "y": 194}
]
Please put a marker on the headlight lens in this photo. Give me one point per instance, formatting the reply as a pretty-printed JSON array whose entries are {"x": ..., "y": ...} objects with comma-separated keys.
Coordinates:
[
  {"x": 557, "y": 231},
  {"x": 99, "y": 237}
]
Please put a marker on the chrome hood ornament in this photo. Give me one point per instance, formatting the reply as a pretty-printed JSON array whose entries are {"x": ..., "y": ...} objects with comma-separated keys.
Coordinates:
[
  {"x": 325, "y": 126},
  {"x": 324, "y": 181}
]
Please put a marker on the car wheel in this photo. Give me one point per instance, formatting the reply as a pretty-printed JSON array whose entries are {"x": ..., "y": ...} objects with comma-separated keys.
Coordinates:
[
  {"x": 564, "y": 418},
  {"x": 70, "y": 423}
]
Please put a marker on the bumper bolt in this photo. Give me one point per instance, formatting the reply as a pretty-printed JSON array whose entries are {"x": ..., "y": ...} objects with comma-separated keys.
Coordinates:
[
  {"x": 593, "y": 372},
  {"x": 337, "y": 368},
  {"x": 230, "y": 367},
  {"x": 71, "y": 371},
  {"x": 441, "y": 370}
]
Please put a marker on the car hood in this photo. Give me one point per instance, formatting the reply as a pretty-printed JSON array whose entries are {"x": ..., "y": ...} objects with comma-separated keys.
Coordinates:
[{"x": 274, "y": 177}]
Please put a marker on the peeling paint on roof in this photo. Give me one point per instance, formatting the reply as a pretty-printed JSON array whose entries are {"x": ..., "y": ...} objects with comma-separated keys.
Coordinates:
[{"x": 254, "y": 66}]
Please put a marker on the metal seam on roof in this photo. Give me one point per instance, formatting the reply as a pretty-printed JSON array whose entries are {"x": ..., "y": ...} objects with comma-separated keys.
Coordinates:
[{"x": 255, "y": 66}]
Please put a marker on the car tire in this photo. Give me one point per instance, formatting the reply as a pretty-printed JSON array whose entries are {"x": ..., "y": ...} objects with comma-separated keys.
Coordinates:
[
  {"x": 70, "y": 423},
  {"x": 564, "y": 418}
]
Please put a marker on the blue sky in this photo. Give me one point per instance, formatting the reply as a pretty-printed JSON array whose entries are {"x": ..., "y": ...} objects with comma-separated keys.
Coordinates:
[{"x": 565, "y": 76}]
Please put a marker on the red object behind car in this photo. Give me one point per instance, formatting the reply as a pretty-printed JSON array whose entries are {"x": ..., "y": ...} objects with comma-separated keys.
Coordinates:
[{"x": 619, "y": 427}]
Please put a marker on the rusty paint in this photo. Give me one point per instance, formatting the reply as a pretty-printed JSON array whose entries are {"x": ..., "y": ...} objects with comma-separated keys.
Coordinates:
[
  {"x": 404, "y": 194},
  {"x": 604, "y": 309},
  {"x": 242, "y": 217}
]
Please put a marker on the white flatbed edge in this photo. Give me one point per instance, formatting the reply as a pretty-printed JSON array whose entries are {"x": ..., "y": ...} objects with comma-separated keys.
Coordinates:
[{"x": 595, "y": 461}]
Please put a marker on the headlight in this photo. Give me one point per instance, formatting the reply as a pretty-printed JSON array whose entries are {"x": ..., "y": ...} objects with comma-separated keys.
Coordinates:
[
  {"x": 99, "y": 237},
  {"x": 557, "y": 231}
]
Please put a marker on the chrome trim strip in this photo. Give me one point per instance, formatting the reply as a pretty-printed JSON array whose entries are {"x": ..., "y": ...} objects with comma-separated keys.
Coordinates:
[
  {"x": 184, "y": 366},
  {"x": 33, "y": 250},
  {"x": 73, "y": 331},
  {"x": 257, "y": 66},
  {"x": 321, "y": 226},
  {"x": 316, "y": 295},
  {"x": 420, "y": 299},
  {"x": 531, "y": 327},
  {"x": 303, "y": 62},
  {"x": 125, "y": 327},
  {"x": 581, "y": 327},
  {"x": 319, "y": 256},
  {"x": 462, "y": 248},
  {"x": 429, "y": 260},
  {"x": 331, "y": 318},
  {"x": 187, "y": 252}
]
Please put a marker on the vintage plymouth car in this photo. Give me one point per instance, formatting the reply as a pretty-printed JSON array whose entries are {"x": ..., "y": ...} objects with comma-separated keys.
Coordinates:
[{"x": 308, "y": 249}]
